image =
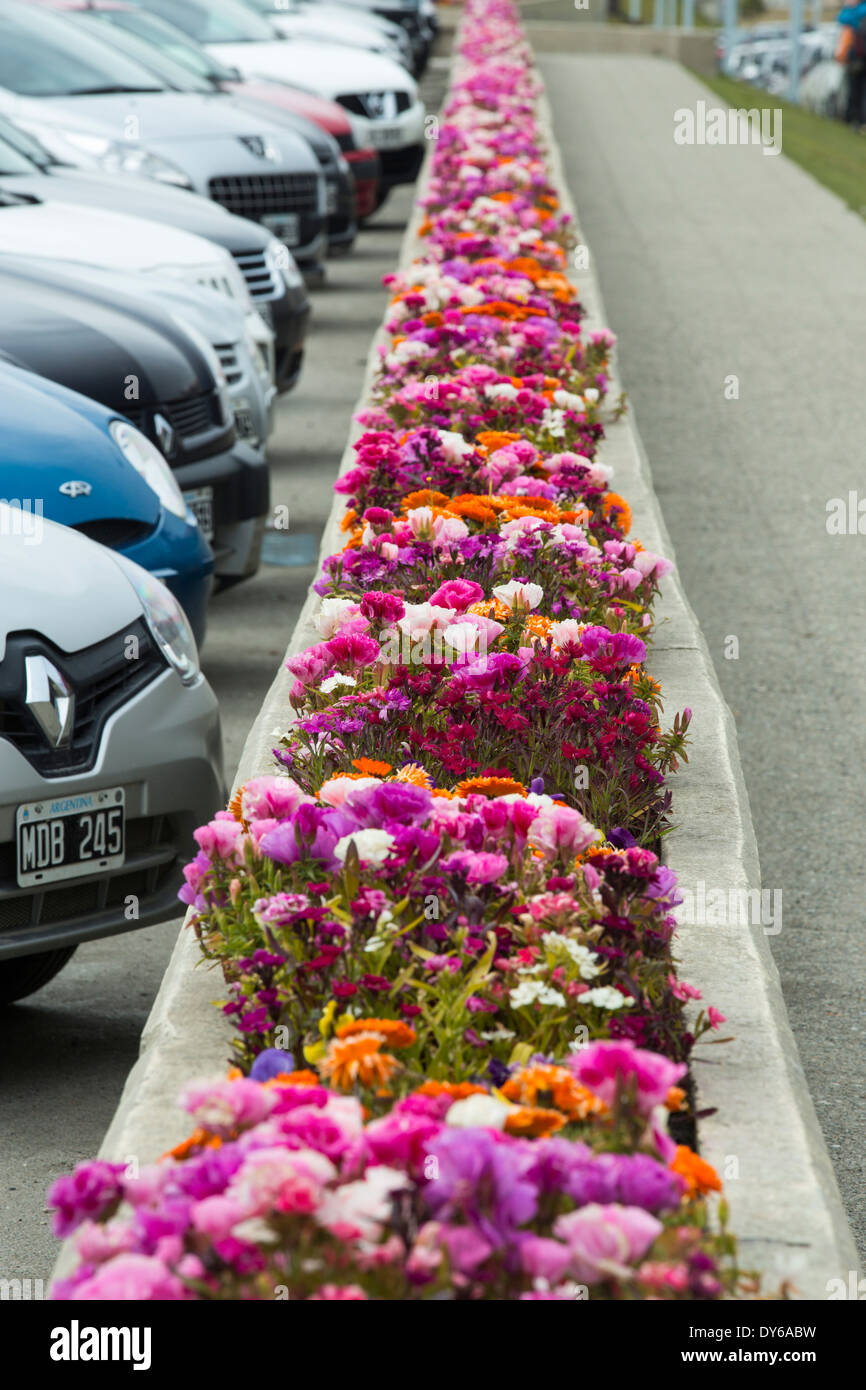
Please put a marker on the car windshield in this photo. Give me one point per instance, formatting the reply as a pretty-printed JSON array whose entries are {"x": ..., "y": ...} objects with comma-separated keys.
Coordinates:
[
  {"x": 171, "y": 42},
  {"x": 171, "y": 72},
  {"x": 42, "y": 55},
  {"x": 214, "y": 21}
]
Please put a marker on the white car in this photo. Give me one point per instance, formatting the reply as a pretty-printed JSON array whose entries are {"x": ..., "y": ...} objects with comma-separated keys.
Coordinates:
[
  {"x": 379, "y": 96},
  {"x": 326, "y": 23},
  {"x": 115, "y": 241}
]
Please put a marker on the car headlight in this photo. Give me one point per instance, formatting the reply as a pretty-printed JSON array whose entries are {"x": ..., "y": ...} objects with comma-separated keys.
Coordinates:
[
  {"x": 149, "y": 463},
  {"x": 208, "y": 352},
  {"x": 165, "y": 619},
  {"x": 122, "y": 157},
  {"x": 221, "y": 275},
  {"x": 281, "y": 262}
]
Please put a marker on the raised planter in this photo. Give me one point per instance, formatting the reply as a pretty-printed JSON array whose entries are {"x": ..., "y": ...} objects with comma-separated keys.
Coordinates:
[{"x": 764, "y": 1139}]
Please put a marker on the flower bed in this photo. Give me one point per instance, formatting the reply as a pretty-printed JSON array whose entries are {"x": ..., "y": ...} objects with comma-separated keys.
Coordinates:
[{"x": 443, "y": 923}]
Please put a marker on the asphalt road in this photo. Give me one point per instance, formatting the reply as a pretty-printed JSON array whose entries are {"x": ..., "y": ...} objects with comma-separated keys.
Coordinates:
[
  {"x": 735, "y": 284},
  {"x": 65, "y": 1054}
]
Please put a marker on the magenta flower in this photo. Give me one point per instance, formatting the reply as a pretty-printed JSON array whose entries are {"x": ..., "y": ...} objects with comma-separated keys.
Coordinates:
[
  {"x": 89, "y": 1194},
  {"x": 606, "y": 1067}
]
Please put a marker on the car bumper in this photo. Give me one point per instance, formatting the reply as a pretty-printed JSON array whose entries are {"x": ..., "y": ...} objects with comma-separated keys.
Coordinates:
[
  {"x": 367, "y": 169},
  {"x": 164, "y": 747},
  {"x": 391, "y": 136},
  {"x": 241, "y": 496},
  {"x": 290, "y": 319}
]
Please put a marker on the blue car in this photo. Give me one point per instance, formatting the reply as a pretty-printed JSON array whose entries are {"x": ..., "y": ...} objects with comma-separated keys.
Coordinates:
[{"x": 68, "y": 459}]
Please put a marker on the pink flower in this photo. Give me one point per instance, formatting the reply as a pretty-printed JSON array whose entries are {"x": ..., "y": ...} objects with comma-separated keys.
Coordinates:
[
  {"x": 606, "y": 1240},
  {"x": 131, "y": 1278},
  {"x": 715, "y": 1017},
  {"x": 338, "y": 1293},
  {"x": 543, "y": 1258},
  {"x": 310, "y": 666},
  {"x": 274, "y": 797},
  {"x": 457, "y": 594},
  {"x": 606, "y": 1066},
  {"x": 561, "y": 830},
  {"x": 221, "y": 1106},
  {"x": 680, "y": 990},
  {"x": 222, "y": 838}
]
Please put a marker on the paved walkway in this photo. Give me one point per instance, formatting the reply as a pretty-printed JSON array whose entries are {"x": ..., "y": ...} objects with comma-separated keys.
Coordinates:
[{"x": 719, "y": 262}]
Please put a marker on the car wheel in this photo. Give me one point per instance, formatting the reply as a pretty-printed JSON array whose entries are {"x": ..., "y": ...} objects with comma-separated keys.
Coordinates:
[{"x": 23, "y": 975}]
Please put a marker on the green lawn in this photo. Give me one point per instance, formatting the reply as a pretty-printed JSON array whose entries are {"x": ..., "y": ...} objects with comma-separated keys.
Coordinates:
[{"x": 828, "y": 150}]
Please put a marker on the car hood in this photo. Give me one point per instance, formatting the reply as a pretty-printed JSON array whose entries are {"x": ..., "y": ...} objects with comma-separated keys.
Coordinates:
[
  {"x": 94, "y": 601},
  {"x": 62, "y": 327},
  {"x": 53, "y": 436},
  {"x": 67, "y": 232},
  {"x": 326, "y": 114},
  {"x": 176, "y": 119},
  {"x": 326, "y": 69},
  {"x": 324, "y": 28}
]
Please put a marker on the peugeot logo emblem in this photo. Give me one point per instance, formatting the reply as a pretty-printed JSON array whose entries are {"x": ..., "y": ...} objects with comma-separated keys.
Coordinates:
[
  {"x": 164, "y": 434},
  {"x": 75, "y": 488},
  {"x": 50, "y": 699},
  {"x": 261, "y": 147}
]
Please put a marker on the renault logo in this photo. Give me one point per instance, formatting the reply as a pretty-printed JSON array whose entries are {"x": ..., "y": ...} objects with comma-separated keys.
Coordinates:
[
  {"x": 75, "y": 488},
  {"x": 261, "y": 147},
  {"x": 50, "y": 699},
  {"x": 164, "y": 434}
]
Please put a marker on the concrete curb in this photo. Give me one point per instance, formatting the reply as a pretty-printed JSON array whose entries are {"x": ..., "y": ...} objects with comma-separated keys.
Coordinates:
[{"x": 784, "y": 1203}]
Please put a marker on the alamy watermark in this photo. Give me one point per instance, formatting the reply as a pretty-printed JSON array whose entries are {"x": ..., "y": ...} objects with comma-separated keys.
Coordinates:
[
  {"x": 733, "y": 907},
  {"x": 724, "y": 125}
]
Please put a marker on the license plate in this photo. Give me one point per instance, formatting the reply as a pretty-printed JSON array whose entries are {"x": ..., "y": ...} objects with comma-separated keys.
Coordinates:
[
  {"x": 332, "y": 194},
  {"x": 200, "y": 503},
  {"x": 68, "y": 836},
  {"x": 385, "y": 137},
  {"x": 286, "y": 227}
]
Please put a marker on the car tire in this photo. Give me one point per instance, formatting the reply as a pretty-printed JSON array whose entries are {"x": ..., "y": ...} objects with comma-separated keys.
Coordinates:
[{"x": 24, "y": 975}]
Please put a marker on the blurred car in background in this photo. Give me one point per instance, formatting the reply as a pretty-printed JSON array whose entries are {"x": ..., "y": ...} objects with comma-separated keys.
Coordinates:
[
  {"x": 63, "y": 82},
  {"x": 110, "y": 748},
  {"x": 379, "y": 96},
  {"x": 89, "y": 468},
  {"x": 326, "y": 22},
  {"x": 276, "y": 97},
  {"x": 131, "y": 353},
  {"x": 273, "y": 282}
]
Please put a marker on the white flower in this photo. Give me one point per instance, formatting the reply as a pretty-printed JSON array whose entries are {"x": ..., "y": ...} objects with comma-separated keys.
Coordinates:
[
  {"x": 463, "y": 637},
  {"x": 373, "y": 945},
  {"x": 421, "y": 618},
  {"x": 554, "y": 422},
  {"x": 478, "y": 1112},
  {"x": 364, "y": 1204},
  {"x": 333, "y": 614},
  {"x": 454, "y": 446},
  {"x": 498, "y": 1034},
  {"x": 519, "y": 596},
  {"x": 591, "y": 395},
  {"x": 502, "y": 390},
  {"x": 373, "y": 846},
  {"x": 568, "y": 630},
  {"x": 530, "y": 991},
  {"x": 334, "y": 681},
  {"x": 560, "y": 945},
  {"x": 569, "y": 401},
  {"x": 605, "y": 997}
]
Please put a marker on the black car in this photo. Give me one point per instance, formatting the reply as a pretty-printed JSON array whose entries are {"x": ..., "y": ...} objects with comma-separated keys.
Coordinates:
[
  {"x": 131, "y": 355},
  {"x": 27, "y": 168}
]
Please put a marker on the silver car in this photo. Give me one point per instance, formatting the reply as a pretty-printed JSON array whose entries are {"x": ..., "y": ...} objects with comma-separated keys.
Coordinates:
[
  {"x": 94, "y": 106},
  {"x": 110, "y": 747}
]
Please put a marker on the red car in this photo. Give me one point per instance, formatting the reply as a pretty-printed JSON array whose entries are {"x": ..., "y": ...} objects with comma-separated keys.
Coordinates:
[{"x": 148, "y": 28}]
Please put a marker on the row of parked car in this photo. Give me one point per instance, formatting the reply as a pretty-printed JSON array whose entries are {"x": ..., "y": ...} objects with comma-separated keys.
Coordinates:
[
  {"x": 761, "y": 55},
  {"x": 173, "y": 176}
]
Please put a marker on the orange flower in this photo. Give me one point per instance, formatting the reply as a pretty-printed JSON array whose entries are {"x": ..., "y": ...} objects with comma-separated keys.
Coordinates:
[
  {"x": 424, "y": 498},
  {"x": 433, "y": 319},
  {"x": 413, "y": 774},
  {"x": 617, "y": 511},
  {"x": 294, "y": 1078},
  {"x": 442, "y": 791},
  {"x": 490, "y": 607},
  {"x": 358, "y": 1061},
  {"x": 553, "y": 1086},
  {"x": 391, "y": 1030},
  {"x": 425, "y": 227},
  {"x": 490, "y": 786},
  {"x": 235, "y": 804},
  {"x": 199, "y": 1139},
  {"x": 675, "y": 1097},
  {"x": 700, "y": 1175},
  {"x": 496, "y": 439},
  {"x": 346, "y": 523},
  {"x": 531, "y": 1122},
  {"x": 473, "y": 508},
  {"x": 371, "y": 767},
  {"x": 457, "y": 1090},
  {"x": 537, "y": 626}
]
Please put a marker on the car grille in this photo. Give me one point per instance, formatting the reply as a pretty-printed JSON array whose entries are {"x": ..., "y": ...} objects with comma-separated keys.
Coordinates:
[
  {"x": 257, "y": 195},
  {"x": 117, "y": 532},
  {"x": 104, "y": 677},
  {"x": 262, "y": 281},
  {"x": 151, "y": 867},
  {"x": 187, "y": 418},
  {"x": 228, "y": 356},
  {"x": 370, "y": 104}
]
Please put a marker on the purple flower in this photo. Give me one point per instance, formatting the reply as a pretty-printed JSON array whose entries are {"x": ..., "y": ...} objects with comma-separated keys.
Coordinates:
[
  {"x": 483, "y": 1181},
  {"x": 610, "y": 651},
  {"x": 92, "y": 1190},
  {"x": 270, "y": 1063}
]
